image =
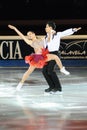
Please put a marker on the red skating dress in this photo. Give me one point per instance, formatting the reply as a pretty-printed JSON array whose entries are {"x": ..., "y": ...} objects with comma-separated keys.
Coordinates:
[{"x": 37, "y": 60}]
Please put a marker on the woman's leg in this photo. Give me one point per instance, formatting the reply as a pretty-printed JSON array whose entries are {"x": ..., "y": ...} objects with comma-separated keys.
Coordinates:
[
  {"x": 59, "y": 63},
  {"x": 25, "y": 76},
  {"x": 56, "y": 58}
]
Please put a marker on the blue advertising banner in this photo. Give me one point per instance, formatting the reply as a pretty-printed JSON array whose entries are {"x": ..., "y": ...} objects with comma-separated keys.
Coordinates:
[
  {"x": 13, "y": 52},
  {"x": 73, "y": 50}
]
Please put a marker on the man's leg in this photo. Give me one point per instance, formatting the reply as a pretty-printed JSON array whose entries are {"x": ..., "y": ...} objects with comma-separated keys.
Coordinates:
[{"x": 51, "y": 77}]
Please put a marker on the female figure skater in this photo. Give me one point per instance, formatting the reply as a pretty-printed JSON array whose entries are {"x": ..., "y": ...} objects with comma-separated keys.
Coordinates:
[{"x": 38, "y": 59}]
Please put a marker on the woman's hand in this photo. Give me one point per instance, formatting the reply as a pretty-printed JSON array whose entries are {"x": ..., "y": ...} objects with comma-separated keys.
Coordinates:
[{"x": 11, "y": 27}]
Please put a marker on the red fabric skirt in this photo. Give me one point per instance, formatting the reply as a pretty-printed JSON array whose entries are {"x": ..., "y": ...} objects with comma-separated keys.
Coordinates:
[{"x": 37, "y": 60}]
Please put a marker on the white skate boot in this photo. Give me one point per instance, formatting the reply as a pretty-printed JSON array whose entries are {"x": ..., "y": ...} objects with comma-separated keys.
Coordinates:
[
  {"x": 64, "y": 71},
  {"x": 19, "y": 86}
]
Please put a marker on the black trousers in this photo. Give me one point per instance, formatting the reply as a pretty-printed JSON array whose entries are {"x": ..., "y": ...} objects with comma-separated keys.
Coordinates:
[{"x": 50, "y": 74}]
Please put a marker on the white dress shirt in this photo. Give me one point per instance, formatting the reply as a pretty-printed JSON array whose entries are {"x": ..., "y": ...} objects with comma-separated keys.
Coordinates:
[{"x": 54, "y": 43}]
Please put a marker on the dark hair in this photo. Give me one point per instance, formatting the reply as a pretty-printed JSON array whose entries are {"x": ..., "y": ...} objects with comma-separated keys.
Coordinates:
[{"x": 51, "y": 24}]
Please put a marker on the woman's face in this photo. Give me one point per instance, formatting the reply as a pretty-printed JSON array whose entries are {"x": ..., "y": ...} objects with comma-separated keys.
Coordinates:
[
  {"x": 48, "y": 28},
  {"x": 31, "y": 35}
]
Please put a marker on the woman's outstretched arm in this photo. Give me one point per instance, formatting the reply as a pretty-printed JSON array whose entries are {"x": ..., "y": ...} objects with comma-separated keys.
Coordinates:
[{"x": 20, "y": 34}]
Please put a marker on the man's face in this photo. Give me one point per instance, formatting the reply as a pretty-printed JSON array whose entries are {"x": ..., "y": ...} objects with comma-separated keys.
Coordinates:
[{"x": 48, "y": 28}]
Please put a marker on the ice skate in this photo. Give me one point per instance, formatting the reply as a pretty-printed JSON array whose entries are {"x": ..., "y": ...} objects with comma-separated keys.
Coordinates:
[
  {"x": 64, "y": 71},
  {"x": 19, "y": 86}
]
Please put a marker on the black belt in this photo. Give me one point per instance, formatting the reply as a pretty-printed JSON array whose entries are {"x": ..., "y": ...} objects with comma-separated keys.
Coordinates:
[{"x": 53, "y": 52}]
